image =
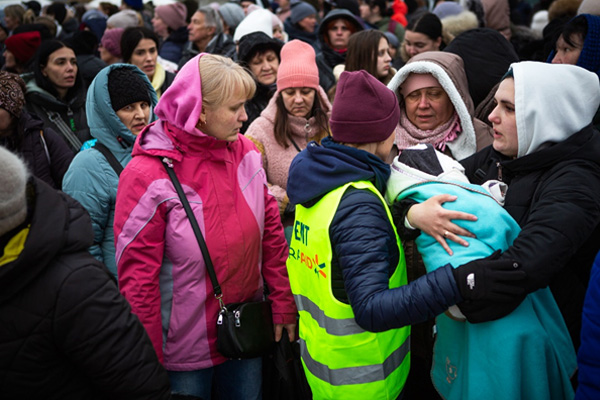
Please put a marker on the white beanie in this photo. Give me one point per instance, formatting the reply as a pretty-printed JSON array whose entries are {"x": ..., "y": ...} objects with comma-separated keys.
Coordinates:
[
  {"x": 123, "y": 19},
  {"x": 13, "y": 180},
  {"x": 256, "y": 21},
  {"x": 589, "y": 7}
]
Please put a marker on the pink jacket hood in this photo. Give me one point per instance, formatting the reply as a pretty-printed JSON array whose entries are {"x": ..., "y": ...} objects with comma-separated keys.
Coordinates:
[{"x": 181, "y": 103}]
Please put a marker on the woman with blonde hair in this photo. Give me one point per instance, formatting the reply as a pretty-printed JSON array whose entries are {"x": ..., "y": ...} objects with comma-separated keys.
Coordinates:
[{"x": 160, "y": 266}]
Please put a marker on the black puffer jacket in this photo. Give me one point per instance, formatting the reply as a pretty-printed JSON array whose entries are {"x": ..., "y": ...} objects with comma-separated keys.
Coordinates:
[
  {"x": 47, "y": 156},
  {"x": 65, "y": 330},
  {"x": 554, "y": 195},
  {"x": 67, "y": 118}
]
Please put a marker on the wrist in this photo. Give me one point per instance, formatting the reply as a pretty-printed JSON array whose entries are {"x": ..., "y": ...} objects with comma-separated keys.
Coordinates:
[{"x": 407, "y": 224}]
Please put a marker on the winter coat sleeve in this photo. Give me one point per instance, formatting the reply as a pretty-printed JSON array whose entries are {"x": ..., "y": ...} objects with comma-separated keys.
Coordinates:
[
  {"x": 95, "y": 329},
  {"x": 275, "y": 252},
  {"x": 171, "y": 51},
  {"x": 588, "y": 357},
  {"x": 361, "y": 237},
  {"x": 326, "y": 77},
  {"x": 261, "y": 124},
  {"x": 140, "y": 223},
  {"x": 88, "y": 181},
  {"x": 60, "y": 155},
  {"x": 564, "y": 212}
]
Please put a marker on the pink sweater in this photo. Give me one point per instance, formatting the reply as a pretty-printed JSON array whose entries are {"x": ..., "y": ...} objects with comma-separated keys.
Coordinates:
[{"x": 276, "y": 158}]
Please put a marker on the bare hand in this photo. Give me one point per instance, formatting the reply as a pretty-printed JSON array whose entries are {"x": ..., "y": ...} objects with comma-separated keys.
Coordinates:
[
  {"x": 436, "y": 221},
  {"x": 290, "y": 328}
]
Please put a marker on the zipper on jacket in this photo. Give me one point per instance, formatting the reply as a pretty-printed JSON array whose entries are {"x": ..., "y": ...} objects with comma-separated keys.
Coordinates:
[
  {"x": 307, "y": 129},
  {"x": 71, "y": 119},
  {"x": 64, "y": 129},
  {"x": 499, "y": 171}
]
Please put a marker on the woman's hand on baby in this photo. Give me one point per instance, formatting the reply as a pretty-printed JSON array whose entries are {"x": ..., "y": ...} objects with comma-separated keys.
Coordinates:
[{"x": 433, "y": 219}]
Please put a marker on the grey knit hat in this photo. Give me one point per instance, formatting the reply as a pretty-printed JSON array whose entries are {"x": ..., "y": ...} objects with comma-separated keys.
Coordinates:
[
  {"x": 301, "y": 10},
  {"x": 13, "y": 180},
  {"x": 232, "y": 14}
]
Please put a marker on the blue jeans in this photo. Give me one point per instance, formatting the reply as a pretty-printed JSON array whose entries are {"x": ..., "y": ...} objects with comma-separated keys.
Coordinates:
[{"x": 232, "y": 380}]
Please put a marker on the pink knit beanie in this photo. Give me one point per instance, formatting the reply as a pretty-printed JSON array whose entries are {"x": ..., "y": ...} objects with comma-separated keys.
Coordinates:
[
  {"x": 364, "y": 111},
  {"x": 172, "y": 14},
  {"x": 417, "y": 81},
  {"x": 298, "y": 67},
  {"x": 111, "y": 41}
]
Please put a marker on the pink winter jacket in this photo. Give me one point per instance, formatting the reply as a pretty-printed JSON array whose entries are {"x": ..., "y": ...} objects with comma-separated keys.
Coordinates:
[
  {"x": 160, "y": 267},
  {"x": 276, "y": 158}
]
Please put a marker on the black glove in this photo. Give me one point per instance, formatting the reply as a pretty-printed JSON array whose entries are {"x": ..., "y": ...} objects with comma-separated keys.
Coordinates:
[
  {"x": 490, "y": 279},
  {"x": 486, "y": 310}
]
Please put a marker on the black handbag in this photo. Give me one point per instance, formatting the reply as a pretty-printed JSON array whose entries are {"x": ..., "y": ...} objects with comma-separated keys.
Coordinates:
[{"x": 244, "y": 330}]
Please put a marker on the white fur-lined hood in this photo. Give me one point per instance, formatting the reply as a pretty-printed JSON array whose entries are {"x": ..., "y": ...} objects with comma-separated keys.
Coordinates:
[{"x": 448, "y": 69}]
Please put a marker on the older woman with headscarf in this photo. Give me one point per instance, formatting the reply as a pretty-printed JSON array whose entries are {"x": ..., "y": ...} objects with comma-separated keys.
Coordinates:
[{"x": 436, "y": 107}]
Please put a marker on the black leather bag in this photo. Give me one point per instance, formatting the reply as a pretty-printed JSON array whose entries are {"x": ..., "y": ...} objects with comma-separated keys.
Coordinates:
[{"x": 244, "y": 330}]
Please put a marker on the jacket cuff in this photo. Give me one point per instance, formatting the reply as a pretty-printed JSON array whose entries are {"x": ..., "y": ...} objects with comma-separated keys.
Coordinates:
[
  {"x": 399, "y": 212},
  {"x": 285, "y": 318}
]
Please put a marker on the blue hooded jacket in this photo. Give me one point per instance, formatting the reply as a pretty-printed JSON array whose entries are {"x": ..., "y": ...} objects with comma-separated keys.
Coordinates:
[
  {"x": 90, "y": 179},
  {"x": 364, "y": 243}
]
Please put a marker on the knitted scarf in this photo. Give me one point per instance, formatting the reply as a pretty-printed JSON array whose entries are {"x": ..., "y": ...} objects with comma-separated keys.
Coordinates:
[
  {"x": 407, "y": 134},
  {"x": 158, "y": 79}
]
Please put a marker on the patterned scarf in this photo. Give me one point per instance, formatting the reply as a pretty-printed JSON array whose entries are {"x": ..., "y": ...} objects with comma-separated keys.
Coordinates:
[{"x": 407, "y": 134}]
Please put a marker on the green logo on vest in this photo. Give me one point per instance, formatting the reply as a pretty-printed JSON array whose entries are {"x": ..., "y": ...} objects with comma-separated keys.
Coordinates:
[{"x": 301, "y": 237}]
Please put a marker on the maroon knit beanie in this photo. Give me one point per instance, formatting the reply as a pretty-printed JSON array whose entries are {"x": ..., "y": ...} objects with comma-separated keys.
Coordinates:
[
  {"x": 111, "y": 41},
  {"x": 173, "y": 15},
  {"x": 23, "y": 45},
  {"x": 12, "y": 93},
  {"x": 364, "y": 111}
]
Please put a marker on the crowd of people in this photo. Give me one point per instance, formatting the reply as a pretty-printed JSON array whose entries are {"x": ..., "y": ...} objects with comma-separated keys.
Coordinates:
[{"x": 412, "y": 185}]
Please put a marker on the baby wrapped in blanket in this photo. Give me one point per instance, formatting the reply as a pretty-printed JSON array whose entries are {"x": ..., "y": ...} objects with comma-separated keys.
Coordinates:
[{"x": 526, "y": 355}]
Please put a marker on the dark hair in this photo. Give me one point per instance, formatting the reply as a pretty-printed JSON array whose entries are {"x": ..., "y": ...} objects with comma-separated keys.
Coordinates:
[
  {"x": 256, "y": 43},
  {"x": 108, "y": 8},
  {"x": 281, "y": 128},
  {"x": 428, "y": 24},
  {"x": 576, "y": 26},
  {"x": 384, "y": 11},
  {"x": 41, "y": 60},
  {"x": 58, "y": 10},
  {"x": 362, "y": 51},
  {"x": 349, "y": 25},
  {"x": 132, "y": 37}
]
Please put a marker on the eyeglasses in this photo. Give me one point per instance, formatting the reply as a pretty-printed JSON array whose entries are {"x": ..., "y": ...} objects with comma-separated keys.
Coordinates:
[{"x": 432, "y": 94}]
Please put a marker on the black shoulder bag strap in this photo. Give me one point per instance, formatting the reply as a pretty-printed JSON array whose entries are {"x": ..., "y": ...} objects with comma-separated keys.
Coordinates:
[
  {"x": 197, "y": 232},
  {"x": 110, "y": 157}
]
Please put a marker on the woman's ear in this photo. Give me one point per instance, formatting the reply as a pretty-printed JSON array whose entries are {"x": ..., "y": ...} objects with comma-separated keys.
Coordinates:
[{"x": 202, "y": 119}]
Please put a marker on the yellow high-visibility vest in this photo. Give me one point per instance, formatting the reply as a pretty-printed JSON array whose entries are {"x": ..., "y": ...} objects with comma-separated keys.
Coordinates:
[{"x": 341, "y": 360}]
